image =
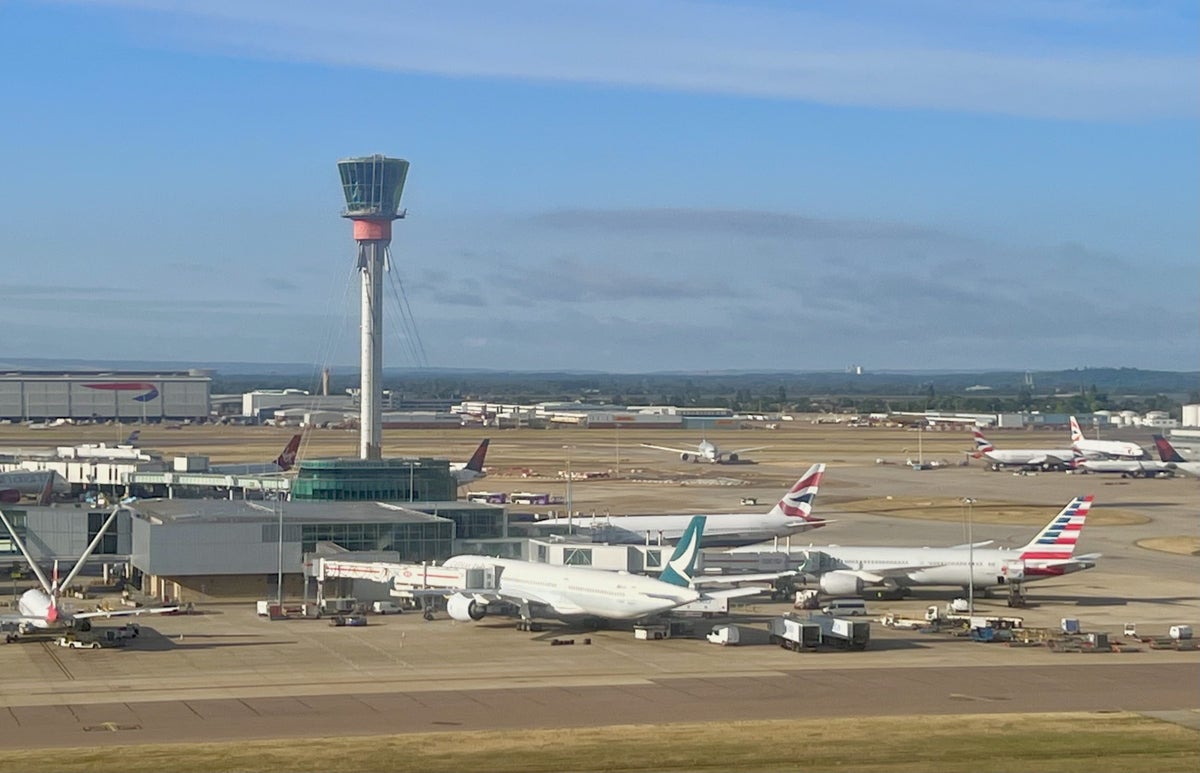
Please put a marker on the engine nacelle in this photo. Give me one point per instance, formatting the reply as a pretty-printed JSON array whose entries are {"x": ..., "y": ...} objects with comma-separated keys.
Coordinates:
[
  {"x": 841, "y": 584},
  {"x": 732, "y": 457},
  {"x": 686, "y": 457},
  {"x": 465, "y": 608}
]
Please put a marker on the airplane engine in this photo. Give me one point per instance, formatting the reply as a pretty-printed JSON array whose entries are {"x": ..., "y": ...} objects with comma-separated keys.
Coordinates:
[
  {"x": 686, "y": 457},
  {"x": 465, "y": 608},
  {"x": 841, "y": 584},
  {"x": 732, "y": 457}
]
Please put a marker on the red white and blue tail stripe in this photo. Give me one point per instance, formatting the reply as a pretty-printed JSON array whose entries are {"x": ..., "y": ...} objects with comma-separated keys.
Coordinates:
[
  {"x": 1057, "y": 540},
  {"x": 982, "y": 446},
  {"x": 798, "y": 502}
]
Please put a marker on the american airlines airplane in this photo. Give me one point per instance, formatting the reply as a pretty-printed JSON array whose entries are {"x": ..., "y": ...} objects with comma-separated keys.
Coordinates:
[
  {"x": 472, "y": 469},
  {"x": 542, "y": 590},
  {"x": 1040, "y": 458},
  {"x": 843, "y": 570},
  {"x": 706, "y": 452},
  {"x": 1173, "y": 459},
  {"x": 791, "y": 515},
  {"x": 1103, "y": 447},
  {"x": 40, "y": 609}
]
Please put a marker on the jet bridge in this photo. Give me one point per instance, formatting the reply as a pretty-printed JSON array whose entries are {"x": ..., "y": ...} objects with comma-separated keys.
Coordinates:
[{"x": 402, "y": 579}]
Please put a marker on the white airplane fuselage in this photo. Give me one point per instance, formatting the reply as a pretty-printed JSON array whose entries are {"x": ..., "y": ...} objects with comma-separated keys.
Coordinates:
[
  {"x": 583, "y": 592},
  {"x": 1109, "y": 448},
  {"x": 1129, "y": 467},
  {"x": 721, "y": 530},
  {"x": 958, "y": 566},
  {"x": 1029, "y": 456}
]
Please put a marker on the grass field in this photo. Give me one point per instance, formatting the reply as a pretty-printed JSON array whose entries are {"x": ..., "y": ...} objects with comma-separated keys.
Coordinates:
[{"x": 1048, "y": 743}]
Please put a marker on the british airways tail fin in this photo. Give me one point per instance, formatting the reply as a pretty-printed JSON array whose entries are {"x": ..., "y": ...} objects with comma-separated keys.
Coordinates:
[
  {"x": 681, "y": 569},
  {"x": 475, "y": 464},
  {"x": 982, "y": 446},
  {"x": 1166, "y": 451},
  {"x": 1058, "y": 538},
  {"x": 1076, "y": 433},
  {"x": 286, "y": 460},
  {"x": 798, "y": 502},
  {"x": 133, "y": 438}
]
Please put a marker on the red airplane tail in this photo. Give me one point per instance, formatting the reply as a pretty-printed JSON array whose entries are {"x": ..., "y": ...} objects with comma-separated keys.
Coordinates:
[{"x": 287, "y": 459}]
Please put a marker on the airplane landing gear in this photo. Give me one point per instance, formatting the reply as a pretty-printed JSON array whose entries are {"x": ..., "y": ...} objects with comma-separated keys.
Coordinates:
[{"x": 1016, "y": 596}]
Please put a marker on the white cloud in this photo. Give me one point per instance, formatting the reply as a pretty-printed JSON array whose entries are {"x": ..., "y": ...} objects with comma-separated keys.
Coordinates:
[{"x": 1026, "y": 60}]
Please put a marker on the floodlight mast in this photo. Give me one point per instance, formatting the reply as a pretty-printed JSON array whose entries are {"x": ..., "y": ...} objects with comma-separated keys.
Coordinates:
[{"x": 372, "y": 186}]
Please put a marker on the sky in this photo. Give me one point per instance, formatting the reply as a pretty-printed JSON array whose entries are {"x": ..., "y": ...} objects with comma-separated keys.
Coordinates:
[{"x": 607, "y": 185}]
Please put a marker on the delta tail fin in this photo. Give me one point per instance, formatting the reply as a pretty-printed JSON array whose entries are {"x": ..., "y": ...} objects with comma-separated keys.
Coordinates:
[
  {"x": 1057, "y": 540},
  {"x": 1166, "y": 451},
  {"x": 287, "y": 460},
  {"x": 681, "y": 568},
  {"x": 798, "y": 502},
  {"x": 475, "y": 463}
]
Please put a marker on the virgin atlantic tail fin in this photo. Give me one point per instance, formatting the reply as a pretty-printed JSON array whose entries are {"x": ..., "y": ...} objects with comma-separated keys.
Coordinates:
[{"x": 287, "y": 459}]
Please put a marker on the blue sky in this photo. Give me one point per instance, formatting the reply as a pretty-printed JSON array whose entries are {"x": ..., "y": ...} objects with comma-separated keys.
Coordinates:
[{"x": 625, "y": 185}]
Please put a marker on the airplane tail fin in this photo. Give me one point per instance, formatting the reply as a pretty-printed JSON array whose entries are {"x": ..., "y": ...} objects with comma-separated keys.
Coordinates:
[
  {"x": 286, "y": 460},
  {"x": 47, "y": 494},
  {"x": 1058, "y": 538},
  {"x": 475, "y": 464},
  {"x": 133, "y": 438},
  {"x": 1077, "y": 459},
  {"x": 1166, "y": 451},
  {"x": 982, "y": 446},
  {"x": 1076, "y": 433},
  {"x": 798, "y": 502},
  {"x": 681, "y": 568}
]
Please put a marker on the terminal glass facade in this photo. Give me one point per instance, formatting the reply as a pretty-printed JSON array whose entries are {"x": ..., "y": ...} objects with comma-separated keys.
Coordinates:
[
  {"x": 429, "y": 541},
  {"x": 382, "y": 480}
]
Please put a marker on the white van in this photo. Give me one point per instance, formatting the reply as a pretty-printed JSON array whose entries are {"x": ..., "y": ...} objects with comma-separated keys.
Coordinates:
[
  {"x": 845, "y": 607},
  {"x": 386, "y": 608}
]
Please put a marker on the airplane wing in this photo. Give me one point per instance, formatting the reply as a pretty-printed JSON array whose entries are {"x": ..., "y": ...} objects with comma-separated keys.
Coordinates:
[
  {"x": 132, "y": 611},
  {"x": 969, "y": 545},
  {"x": 672, "y": 450},
  {"x": 744, "y": 450},
  {"x": 730, "y": 579},
  {"x": 552, "y": 600},
  {"x": 732, "y": 593}
]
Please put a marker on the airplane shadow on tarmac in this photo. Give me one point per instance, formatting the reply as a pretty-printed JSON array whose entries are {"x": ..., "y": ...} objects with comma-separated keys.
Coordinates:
[{"x": 153, "y": 641}]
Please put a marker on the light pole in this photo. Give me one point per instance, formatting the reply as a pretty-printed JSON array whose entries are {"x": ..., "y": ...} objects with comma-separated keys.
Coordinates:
[
  {"x": 968, "y": 501},
  {"x": 570, "y": 510}
]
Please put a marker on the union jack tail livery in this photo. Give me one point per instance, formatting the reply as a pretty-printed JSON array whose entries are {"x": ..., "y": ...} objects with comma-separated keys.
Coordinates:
[
  {"x": 1057, "y": 540},
  {"x": 798, "y": 503},
  {"x": 982, "y": 446},
  {"x": 1076, "y": 433}
]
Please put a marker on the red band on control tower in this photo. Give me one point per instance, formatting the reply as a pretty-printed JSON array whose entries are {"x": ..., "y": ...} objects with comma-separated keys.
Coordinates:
[{"x": 372, "y": 230}]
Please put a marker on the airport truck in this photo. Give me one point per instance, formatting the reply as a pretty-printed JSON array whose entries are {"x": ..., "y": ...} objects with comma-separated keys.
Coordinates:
[
  {"x": 794, "y": 633},
  {"x": 843, "y": 632}
]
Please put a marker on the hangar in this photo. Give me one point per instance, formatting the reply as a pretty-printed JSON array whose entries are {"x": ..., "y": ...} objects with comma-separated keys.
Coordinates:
[{"x": 104, "y": 395}]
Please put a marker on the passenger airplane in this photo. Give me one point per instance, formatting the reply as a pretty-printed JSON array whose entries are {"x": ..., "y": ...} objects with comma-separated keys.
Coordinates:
[
  {"x": 1045, "y": 459},
  {"x": 284, "y": 462},
  {"x": 1173, "y": 459},
  {"x": 39, "y": 609},
  {"x": 706, "y": 452},
  {"x": 542, "y": 590},
  {"x": 1103, "y": 447},
  {"x": 792, "y": 515},
  {"x": 1126, "y": 468},
  {"x": 472, "y": 469},
  {"x": 843, "y": 571}
]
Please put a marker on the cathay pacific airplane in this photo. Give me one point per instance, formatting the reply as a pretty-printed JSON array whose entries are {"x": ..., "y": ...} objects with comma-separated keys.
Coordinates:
[{"x": 706, "y": 452}]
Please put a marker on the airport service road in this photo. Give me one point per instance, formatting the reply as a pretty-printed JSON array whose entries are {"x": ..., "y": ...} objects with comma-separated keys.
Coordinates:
[{"x": 229, "y": 674}]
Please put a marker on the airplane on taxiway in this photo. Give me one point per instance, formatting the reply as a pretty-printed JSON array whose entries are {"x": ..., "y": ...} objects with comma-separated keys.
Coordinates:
[{"x": 706, "y": 451}]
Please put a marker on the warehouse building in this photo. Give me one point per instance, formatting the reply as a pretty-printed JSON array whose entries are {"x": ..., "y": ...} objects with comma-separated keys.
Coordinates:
[{"x": 39, "y": 396}]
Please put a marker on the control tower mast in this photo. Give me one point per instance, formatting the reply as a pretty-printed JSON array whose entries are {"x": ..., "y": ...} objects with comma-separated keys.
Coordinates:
[{"x": 372, "y": 186}]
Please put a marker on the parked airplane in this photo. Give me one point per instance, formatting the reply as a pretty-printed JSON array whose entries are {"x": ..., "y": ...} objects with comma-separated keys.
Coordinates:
[
  {"x": 1108, "y": 448},
  {"x": 40, "y": 609},
  {"x": 1045, "y": 459},
  {"x": 843, "y": 571},
  {"x": 43, "y": 484},
  {"x": 706, "y": 452},
  {"x": 472, "y": 469},
  {"x": 1173, "y": 459},
  {"x": 284, "y": 462},
  {"x": 542, "y": 590},
  {"x": 792, "y": 515},
  {"x": 1126, "y": 468}
]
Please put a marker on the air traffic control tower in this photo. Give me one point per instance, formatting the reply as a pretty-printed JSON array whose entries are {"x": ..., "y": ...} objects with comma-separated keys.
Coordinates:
[{"x": 373, "y": 186}]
